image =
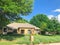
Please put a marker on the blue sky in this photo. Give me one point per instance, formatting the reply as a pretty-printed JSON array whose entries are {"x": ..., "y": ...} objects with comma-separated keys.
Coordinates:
[{"x": 48, "y": 7}]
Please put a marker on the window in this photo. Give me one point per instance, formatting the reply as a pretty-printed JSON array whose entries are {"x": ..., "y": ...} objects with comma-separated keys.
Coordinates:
[
  {"x": 5, "y": 29},
  {"x": 15, "y": 31},
  {"x": 29, "y": 31}
]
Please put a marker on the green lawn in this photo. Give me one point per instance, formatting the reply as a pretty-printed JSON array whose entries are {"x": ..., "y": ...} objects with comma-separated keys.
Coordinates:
[{"x": 21, "y": 39}]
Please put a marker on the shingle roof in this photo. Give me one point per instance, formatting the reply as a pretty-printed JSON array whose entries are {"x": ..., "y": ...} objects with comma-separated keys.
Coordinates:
[{"x": 17, "y": 25}]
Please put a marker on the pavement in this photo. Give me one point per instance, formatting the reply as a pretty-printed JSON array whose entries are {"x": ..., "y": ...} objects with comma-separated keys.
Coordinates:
[{"x": 40, "y": 44}]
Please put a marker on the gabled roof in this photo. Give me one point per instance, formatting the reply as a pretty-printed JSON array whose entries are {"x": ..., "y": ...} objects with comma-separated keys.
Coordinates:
[{"x": 18, "y": 25}]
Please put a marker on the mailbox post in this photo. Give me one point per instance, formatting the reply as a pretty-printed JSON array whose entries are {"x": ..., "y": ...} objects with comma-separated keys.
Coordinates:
[{"x": 32, "y": 37}]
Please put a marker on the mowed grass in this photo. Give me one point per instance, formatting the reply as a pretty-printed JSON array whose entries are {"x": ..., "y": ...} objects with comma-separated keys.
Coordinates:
[
  {"x": 21, "y": 39},
  {"x": 46, "y": 39},
  {"x": 7, "y": 43}
]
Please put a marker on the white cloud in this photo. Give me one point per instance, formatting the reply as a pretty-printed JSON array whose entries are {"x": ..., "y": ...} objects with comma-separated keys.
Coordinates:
[
  {"x": 57, "y": 10},
  {"x": 50, "y": 16},
  {"x": 58, "y": 17}
]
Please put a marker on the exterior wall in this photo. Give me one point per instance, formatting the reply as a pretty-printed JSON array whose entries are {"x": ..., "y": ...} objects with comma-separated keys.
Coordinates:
[
  {"x": 37, "y": 32},
  {"x": 33, "y": 31},
  {"x": 9, "y": 30},
  {"x": 26, "y": 30},
  {"x": 3, "y": 30},
  {"x": 19, "y": 31}
]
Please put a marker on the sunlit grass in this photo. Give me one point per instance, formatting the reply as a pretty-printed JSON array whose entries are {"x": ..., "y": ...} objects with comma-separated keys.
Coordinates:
[{"x": 21, "y": 39}]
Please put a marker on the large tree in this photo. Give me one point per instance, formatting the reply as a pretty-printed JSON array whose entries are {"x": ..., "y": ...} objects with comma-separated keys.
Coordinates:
[
  {"x": 10, "y": 9},
  {"x": 45, "y": 24},
  {"x": 40, "y": 20}
]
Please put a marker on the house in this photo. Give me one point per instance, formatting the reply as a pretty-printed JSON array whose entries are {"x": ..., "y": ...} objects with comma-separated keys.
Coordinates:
[{"x": 21, "y": 28}]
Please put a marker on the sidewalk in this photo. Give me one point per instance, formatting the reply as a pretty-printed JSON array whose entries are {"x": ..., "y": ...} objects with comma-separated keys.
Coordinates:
[{"x": 40, "y": 44}]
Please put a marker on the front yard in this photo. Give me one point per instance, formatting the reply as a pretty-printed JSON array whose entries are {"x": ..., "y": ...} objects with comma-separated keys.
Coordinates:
[{"x": 21, "y": 39}]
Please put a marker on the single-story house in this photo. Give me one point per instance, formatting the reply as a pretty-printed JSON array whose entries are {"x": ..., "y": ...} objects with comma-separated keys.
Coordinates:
[{"x": 21, "y": 28}]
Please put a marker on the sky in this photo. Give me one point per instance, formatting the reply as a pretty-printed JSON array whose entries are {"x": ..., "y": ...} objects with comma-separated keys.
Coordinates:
[{"x": 49, "y": 7}]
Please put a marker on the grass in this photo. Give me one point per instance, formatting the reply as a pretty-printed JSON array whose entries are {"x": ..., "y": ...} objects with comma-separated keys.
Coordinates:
[
  {"x": 46, "y": 39},
  {"x": 7, "y": 43},
  {"x": 21, "y": 39}
]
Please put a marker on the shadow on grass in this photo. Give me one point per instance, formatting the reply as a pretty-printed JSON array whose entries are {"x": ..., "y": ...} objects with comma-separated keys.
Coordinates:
[{"x": 10, "y": 37}]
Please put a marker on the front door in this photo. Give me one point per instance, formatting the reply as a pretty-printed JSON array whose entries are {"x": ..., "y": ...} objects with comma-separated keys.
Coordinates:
[{"x": 22, "y": 31}]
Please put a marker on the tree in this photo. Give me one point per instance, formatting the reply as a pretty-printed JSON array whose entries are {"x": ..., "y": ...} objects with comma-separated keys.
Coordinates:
[
  {"x": 20, "y": 20},
  {"x": 53, "y": 25},
  {"x": 3, "y": 21},
  {"x": 40, "y": 20},
  {"x": 58, "y": 28},
  {"x": 10, "y": 9}
]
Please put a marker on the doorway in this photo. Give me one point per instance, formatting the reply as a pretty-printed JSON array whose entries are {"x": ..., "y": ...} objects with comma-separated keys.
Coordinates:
[
  {"x": 5, "y": 29},
  {"x": 22, "y": 31}
]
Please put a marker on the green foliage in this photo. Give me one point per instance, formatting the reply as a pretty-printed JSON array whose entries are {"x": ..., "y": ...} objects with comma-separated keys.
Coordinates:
[
  {"x": 53, "y": 25},
  {"x": 16, "y": 6},
  {"x": 10, "y": 9},
  {"x": 50, "y": 25},
  {"x": 20, "y": 39},
  {"x": 47, "y": 39},
  {"x": 40, "y": 20},
  {"x": 21, "y": 20},
  {"x": 3, "y": 21}
]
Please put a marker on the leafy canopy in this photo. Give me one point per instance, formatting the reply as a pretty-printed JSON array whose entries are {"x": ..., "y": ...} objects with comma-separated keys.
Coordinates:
[
  {"x": 16, "y": 6},
  {"x": 11, "y": 9},
  {"x": 40, "y": 20},
  {"x": 53, "y": 25},
  {"x": 20, "y": 20},
  {"x": 45, "y": 24}
]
